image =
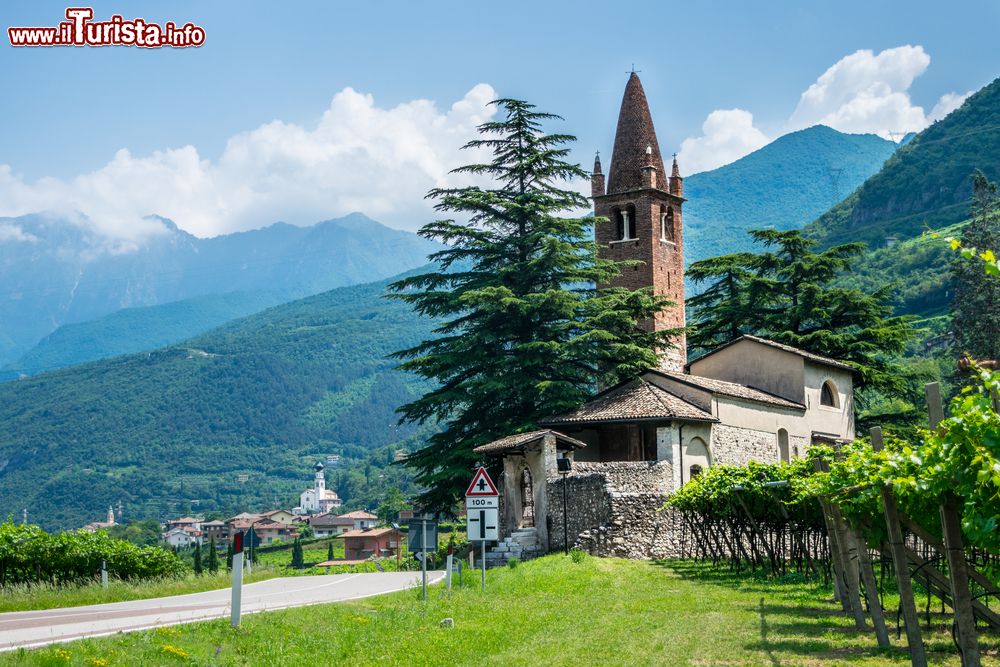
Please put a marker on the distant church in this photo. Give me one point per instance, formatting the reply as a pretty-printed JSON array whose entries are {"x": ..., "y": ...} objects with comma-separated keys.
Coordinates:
[
  {"x": 318, "y": 498},
  {"x": 633, "y": 444}
]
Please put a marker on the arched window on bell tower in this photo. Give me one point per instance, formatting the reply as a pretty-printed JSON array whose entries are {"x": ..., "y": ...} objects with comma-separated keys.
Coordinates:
[
  {"x": 666, "y": 224},
  {"x": 624, "y": 223}
]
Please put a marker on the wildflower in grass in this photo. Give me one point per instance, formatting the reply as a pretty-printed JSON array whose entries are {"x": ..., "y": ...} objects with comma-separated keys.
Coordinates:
[
  {"x": 63, "y": 654},
  {"x": 360, "y": 619},
  {"x": 98, "y": 662},
  {"x": 173, "y": 650}
]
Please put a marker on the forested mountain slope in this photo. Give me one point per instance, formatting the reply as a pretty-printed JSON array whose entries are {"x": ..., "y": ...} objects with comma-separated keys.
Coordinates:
[{"x": 170, "y": 430}]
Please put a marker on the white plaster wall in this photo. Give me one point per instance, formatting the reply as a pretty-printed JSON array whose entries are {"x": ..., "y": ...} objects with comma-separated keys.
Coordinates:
[{"x": 757, "y": 365}]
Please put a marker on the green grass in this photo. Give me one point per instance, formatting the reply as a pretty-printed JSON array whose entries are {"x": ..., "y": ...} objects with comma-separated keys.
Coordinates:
[
  {"x": 312, "y": 553},
  {"x": 549, "y": 611},
  {"x": 24, "y": 598}
]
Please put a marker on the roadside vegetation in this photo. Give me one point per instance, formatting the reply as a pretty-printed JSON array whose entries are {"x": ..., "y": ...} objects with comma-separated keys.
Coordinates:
[
  {"x": 552, "y": 611},
  {"x": 25, "y": 597}
]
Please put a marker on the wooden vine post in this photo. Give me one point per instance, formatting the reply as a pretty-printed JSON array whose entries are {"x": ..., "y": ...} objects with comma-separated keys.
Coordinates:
[
  {"x": 841, "y": 538},
  {"x": 918, "y": 655},
  {"x": 958, "y": 573}
]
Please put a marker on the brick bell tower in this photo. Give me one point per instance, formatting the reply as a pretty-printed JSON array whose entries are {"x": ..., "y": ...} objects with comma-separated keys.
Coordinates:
[{"x": 643, "y": 209}]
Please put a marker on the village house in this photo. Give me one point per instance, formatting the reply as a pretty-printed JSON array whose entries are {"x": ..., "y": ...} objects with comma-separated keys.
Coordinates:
[
  {"x": 362, "y": 544},
  {"x": 182, "y": 536},
  {"x": 361, "y": 520},
  {"x": 633, "y": 444},
  {"x": 183, "y": 522},
  {"x": 329, "y": 524},
  {"x": 215, "y": 530},
  {"x": 281, "y": 516},
  {"x": 270, "y": 532}
]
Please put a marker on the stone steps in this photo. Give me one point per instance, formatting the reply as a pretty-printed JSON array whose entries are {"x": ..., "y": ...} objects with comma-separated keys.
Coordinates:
[{"x": 522, "y": 544}]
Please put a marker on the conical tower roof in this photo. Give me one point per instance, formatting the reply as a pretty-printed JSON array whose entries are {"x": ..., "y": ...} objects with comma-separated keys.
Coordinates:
[{"x": 635, "y": 142}]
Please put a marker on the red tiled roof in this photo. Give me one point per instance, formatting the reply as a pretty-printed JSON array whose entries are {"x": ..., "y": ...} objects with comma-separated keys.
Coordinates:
[
  {"x": 729, "y": 389},
  {"x": 630, "y": 401},
  {"x": 519, "y": 441},
  {"x": 371, "y": 532},
  {"x": 358, "y": 514}
]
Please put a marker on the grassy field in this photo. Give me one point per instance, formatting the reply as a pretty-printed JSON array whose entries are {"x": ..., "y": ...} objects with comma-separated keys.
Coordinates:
[
  {"x": 551, "y": 611},
  {"x": 312, "y": 553},
  {"x": 24, "y": 598}
]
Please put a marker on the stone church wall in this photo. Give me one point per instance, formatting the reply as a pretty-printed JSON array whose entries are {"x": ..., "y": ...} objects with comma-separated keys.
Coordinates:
[
  {"x": 732, "y": 445},
  {"x": 616, "y": 509}
]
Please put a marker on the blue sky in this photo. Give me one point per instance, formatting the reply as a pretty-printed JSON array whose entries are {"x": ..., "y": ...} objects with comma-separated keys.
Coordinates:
[{"x": 68, "y": 110}]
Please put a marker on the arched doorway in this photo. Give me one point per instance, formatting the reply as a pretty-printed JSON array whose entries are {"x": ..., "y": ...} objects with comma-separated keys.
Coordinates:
[
  {"x": 527, "y": 500},
  {"x": 695, "y": 459}
]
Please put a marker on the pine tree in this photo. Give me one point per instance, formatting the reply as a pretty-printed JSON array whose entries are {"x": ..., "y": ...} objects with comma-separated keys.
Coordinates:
[
  {"x": 975, "y": 307},
  {"x": 213, "y": 557},
  {"x": 197, "y": 558},
  {"x": 229, "y": 556},
  {"x": 788, "y": 293},
  {"x": 329, "y": 550},
  {"x": 524, "y": 332}
]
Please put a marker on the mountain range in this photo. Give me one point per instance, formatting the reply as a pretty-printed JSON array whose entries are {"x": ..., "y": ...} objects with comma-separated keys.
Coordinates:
[
  {"x": 55, "y": 272},
  {"x": 784, "y": 185}
]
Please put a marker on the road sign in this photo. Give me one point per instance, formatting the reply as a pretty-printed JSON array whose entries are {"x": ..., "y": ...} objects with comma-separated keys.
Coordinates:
[
  {"x": 483, "y": 524},
  {"x": 417, "y": 530},
  {"x": 481, "y": 485},
  {"x": 482, "y": 502}
]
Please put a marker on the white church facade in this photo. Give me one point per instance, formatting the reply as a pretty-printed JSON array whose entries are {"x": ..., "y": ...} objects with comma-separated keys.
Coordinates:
[{"x": 318, "y": 498}]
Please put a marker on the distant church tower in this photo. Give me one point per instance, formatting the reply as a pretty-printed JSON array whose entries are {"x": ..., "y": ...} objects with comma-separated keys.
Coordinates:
[{"x": 643, "y": 206}]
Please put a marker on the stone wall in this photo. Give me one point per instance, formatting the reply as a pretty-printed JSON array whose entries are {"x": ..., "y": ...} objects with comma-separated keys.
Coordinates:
[
  {"x": 616, "y": 509},
  {"x": 738, "y": 446}
]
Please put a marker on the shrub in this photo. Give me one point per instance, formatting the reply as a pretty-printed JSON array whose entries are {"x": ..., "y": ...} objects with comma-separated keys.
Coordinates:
[
  {"x": 578, "y": 555},
  {"x": 513, "y": 563}
]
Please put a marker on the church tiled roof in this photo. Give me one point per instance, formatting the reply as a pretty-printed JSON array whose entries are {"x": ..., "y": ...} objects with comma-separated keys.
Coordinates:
[
  {"x": 633, "y": 400},
  {"x": 729, "y": 389},
  {"x": 519, "y": 440}
]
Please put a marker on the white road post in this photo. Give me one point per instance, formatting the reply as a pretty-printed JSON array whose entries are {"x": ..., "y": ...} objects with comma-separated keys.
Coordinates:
[
  {"x": 447, "y": 576},
  {"x": 104, "y": 574}
]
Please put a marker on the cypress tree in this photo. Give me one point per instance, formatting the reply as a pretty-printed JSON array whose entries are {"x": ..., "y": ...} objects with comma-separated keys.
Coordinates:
[
  {"x": 524, "y": 332},
  {"x": 229, "y": 556},
  {"x": 329, "y": 550},
  {"x": 213, "y": 557},
  {"x": 298, "y": 558},
  {"x": 975, "y": 307},
  {"x": 197, "y": 559}
]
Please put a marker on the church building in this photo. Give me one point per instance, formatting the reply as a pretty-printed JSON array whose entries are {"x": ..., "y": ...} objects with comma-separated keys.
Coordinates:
[
  {"x": 635, "y": 443},
  {"x": 318, "y": 498}
]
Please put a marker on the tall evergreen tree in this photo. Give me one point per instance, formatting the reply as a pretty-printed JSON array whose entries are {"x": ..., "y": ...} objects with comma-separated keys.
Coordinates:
[
  {"x": 229, "y": 556},
  {"x": 524, "y": 333},
  {"x": 197, "y": 558},
  {"x": 213, "y": 557},
  {"x": 788, "y": 293},
  {"x": 975, "y": 307},
  {"x": 329, "y": 550},
  {"x": 298, "y": 558}
]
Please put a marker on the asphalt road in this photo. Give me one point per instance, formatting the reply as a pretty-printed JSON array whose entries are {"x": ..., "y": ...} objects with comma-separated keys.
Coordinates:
[{"x": 37, "y": 628}]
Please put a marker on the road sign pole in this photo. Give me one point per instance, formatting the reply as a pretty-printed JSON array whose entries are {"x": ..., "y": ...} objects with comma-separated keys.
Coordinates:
[
  {"x": 104, "y": 574},
  {"x": 423, "y": 547},
  {"x": 482, "y": 557}
]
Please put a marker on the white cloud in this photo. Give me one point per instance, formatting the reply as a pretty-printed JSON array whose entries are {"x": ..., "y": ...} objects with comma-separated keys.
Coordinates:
[
  {"x": 359, "y": 157},
  {"x": 948, "y": 103},
  {"x": 727, "y": 135},
  {"x": 866, "y": 93},
  {"x": 15, "y": 233},
  {"x": 861, "y": 93}
]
